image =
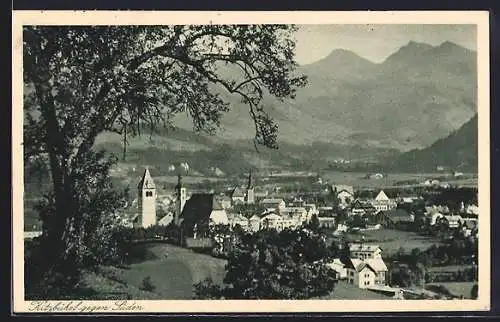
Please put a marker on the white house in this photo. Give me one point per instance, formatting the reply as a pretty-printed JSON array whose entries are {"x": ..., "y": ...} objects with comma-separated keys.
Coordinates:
[
  {"x": 238, "y": 219},
  {"x": 275, "y": 204},
  {"x": 360, "y": 273},
  {"x": 366, "y": 266},
  {"x": 383, "y": 203},
  {"x": 433, "y": 218},
  {"x": 254, "y": 223},
  {"x": 338, "y": 267},
  {"x": 345, "y": 193},
  {"x": 365, "y": 251},
  {"x": 453, "y": 221},
  {"x": 271, "y": 221},
  {"x": 472, "y": 210}
]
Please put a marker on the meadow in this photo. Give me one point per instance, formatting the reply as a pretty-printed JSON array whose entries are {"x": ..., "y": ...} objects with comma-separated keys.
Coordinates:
[
  {"x": 392, "y": 240},
  {"x": 456, "y": 289},
  {"x": 346, "y": 291},
  {"x": 393, "y": 180},
  {"x": 172, "y": 276}
]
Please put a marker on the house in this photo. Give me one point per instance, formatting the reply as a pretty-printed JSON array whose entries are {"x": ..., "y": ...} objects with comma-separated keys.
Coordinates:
[
  {"x": 341, "y": 228},
  {"x": 344, "y": 193},
  {"x": 434, "y": 217},
  {"x": 382, "y": 202},
  {"x": 362, "y": 208},
  {"x": 273, "y": 204},
  {"x": 202, "y": 210},
  {"x": 237, "y": 195},
  {"x": 366, "y": 273},
  {"x": 299, "y": 214},
  {"x": 271, "y": 221},
  {"x": 325, "y": 211},
  {"x": 224, "y": 201},
  {"x": 472, "y": 210},
  {"x": 376, "y": 176},
  {"x": 395, "y": 218},
  {"x": 453, "y": 221},
  {"x": 433, "y": 209},
  {"x": 326, "y": 222},
  {"x": 311, "y": 209},
  {"x": 254, "y": 223},
  {"x": 238, "y": 219},
  {"x": 338, "y": 267},
  {"x": 365, "y": 251}
]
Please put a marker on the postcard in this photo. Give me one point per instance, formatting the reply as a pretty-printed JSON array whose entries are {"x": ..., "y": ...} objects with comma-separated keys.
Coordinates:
[{"x": 246, "y": 162}]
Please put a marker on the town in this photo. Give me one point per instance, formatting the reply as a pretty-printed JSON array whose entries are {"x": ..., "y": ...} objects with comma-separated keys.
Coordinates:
[{"x": 383, "y": 231}]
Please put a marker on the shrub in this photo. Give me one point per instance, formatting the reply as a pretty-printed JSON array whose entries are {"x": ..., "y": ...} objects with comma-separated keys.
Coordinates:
[{"x": 147, "y": 284}]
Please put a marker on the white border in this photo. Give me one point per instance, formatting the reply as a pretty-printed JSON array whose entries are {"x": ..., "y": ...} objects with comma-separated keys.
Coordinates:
[{"x": 481, "y": 19}]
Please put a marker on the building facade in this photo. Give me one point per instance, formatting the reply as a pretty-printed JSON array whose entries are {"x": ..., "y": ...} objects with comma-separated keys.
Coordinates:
[{"x": 146, "y": 201}]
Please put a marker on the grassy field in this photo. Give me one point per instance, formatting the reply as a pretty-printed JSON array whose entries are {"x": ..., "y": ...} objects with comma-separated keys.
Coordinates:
[
  {"x": 358, "y": 180},
  {"x": 173, "y": 277},
  {"x": 346, "y": 291},
  {"x": 457, "y": 288},
  {"x": 391, "y": 240}
]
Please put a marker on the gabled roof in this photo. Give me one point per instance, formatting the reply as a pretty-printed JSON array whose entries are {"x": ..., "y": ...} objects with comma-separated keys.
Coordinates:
[
  {"x": 382, "y": 196},
  {"x": 198, "y": 209},
  {"x": 359, "y": 265},
  {"x": 377, "y": 264},
  {"x": 146, "y": 181},
  {"x": 345, "y": 188},
  {"x": 237, "y": 192}
]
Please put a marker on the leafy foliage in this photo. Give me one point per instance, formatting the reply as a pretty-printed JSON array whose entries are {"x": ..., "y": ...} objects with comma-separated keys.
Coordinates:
[
  {"x": 274, "y": 265},
  {"x": 147, "y": 284},
  {"x": 82, "y": 81}
]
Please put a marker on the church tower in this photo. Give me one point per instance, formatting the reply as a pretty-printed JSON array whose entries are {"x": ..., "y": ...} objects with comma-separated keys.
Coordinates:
[
  {"x": 147, "y": 200},
  {"x": 180, "y": 200},
  {"x": 250, "y": 195}
]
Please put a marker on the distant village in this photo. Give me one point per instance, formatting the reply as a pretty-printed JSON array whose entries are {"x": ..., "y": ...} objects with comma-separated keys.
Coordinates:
[{"x": 241, "y": 207}]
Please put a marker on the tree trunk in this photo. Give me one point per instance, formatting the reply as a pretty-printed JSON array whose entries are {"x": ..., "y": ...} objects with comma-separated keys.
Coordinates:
[{"x": 54, "y": 141}]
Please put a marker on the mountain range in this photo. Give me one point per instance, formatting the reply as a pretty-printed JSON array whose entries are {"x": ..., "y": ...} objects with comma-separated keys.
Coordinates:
[
  {"x": 406, "y": 113},
  {"x": 419, "y": 94},
  {"x": 458, "y": 151}
]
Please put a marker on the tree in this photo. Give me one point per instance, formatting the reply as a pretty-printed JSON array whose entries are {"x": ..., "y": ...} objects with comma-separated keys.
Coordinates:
[
  {"x": 314, "y": 223},
  {"x": 83, "y": 81},
  {"x": 91, "y": 234},
  {"x": 147, "y": 284},
  {"x": 274, "y": 265}
]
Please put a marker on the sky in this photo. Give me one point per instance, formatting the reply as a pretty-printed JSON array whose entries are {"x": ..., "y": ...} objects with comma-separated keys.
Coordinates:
[{"x": 375, "y": 42}]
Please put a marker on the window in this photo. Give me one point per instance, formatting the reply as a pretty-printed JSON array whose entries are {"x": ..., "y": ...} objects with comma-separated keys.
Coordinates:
[{"x": 149, "y": 193}]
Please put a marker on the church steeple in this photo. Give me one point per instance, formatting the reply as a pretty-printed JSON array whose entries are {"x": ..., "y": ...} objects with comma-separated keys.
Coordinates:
[
  {"x": 146, "y": 200},
  {"x": 180, "y": 200},
  {"x": 250, "y": 180},
  {"x": 146, "y": 181},
  {"x": 179, "y": 182},
  {"x": 250, "y": 196}
]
